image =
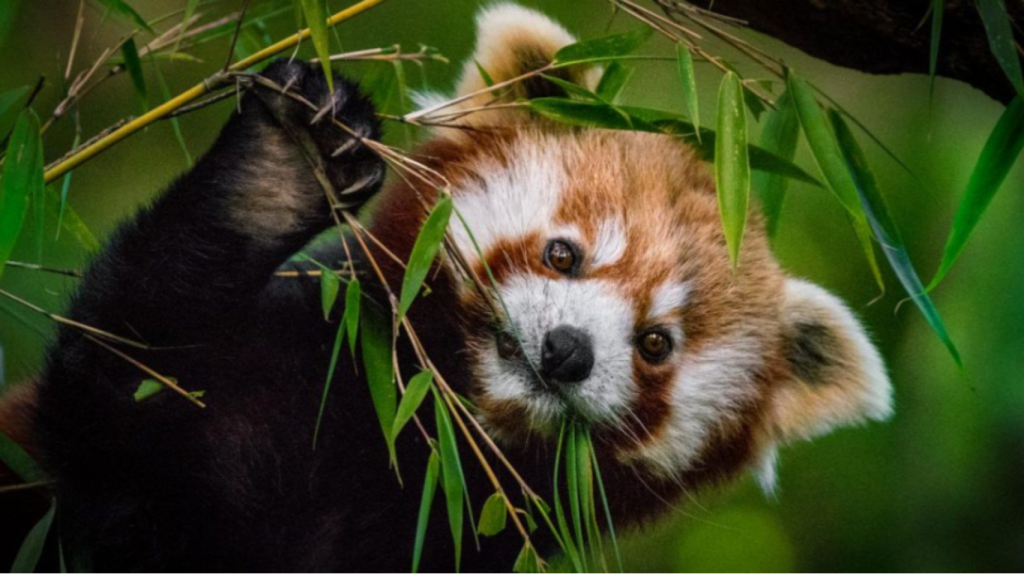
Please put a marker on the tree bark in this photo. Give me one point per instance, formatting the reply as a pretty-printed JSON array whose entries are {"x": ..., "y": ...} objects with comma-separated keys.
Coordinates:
[{"x": 880, "y": 36}]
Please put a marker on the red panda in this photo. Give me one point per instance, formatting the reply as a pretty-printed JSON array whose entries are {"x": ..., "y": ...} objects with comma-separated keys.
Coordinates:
[{"x": 619, "y": 306}]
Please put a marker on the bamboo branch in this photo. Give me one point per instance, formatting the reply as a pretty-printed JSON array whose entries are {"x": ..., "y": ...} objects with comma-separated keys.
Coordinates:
[{"x": 198, "y": 91}]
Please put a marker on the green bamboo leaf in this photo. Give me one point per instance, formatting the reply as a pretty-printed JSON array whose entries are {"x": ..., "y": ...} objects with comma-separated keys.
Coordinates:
[
  {"x": 423, "y": 253},
  {"x": 652, "y": 120},
  {"x": 335, "y": 351},
  {"x": 527, "y": 562},
  {"x": 131, "y": 61},
  {"x": 484, "y": 74},
  {"x": 1001, "y": 151},
  {"x": 754, "y": 103},
  {"x": 22, "y": 179},
  {"x": 886, "y": 231},
  {"x": 1000, "y": 40},
  {"x": 938, "y": 11},
  {"x": 607, "y": 511},
  {"x": 452, "y": 479},
  {"x": 376, "y": 346},
  {"x": 494, "y": 515},
  {"x": 590, "y": 114},
  {"x": 71, "y": 222},
  {"x": 123, "y": 9},
  {"x": 165, "y": 94},
  {"x": 190, "y": 9},
  {"x": 572, "y": 482},
  {"x": 316, "y": 18},
  {"x": 147, "y": 389},
  {"x": 833, "y": 166},
  {"x": 415, "y": 392},
  {"x": 564, "y": 533},
  {"x": 732, "y": 164},
  {"x": 572, "y": 90},
  {"x": 426, "y": 502},
  {"x": 613, "y": 80},
  {"x": 353, "y": 296},
  {"x": 602, "y": 48},
  {"x": 10, "y": 106},
  {"x": 689, "y": 79},
  {"x": 32, "y": 547},
  {"x": 330, "y": 285},
  {"x": 18, "y": 461},
  {"x": 779, "y": 136}
]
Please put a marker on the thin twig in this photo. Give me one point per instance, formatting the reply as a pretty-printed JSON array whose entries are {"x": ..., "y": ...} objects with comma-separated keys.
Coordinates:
[{"x": 194, "y": 93}]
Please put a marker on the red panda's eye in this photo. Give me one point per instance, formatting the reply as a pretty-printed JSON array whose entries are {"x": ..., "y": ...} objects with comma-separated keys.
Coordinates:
[
  {"x": 560, "y": 256},
  {"x": 654, "y": 346}
]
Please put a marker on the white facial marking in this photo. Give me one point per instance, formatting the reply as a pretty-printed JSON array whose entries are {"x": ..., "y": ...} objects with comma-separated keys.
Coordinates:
[
  {"x": 710, "y": 386},
  {"x": 510, "y": 201},
  {"x": 610, "y": 244},
  {"x": 538, "y": 305},
  {"x": 668, "y": 298}
]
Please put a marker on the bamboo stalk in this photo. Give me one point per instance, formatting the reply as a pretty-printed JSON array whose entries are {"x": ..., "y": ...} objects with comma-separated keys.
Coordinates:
[{"x": 194, "y": 93}]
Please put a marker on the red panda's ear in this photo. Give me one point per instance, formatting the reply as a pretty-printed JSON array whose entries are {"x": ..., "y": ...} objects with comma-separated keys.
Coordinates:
[
  {"x": 510, "y": 41},
  {"x": 835, "y": 376}
]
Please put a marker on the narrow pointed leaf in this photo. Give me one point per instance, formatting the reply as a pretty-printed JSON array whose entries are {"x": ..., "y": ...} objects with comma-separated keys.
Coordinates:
[
  {"x": 603, "y": 48},
  {"x": 577, "y": 113},
  {"x": 607, "y": 511},
  {"x": 779, "y": 136},
  {"x": 574, "y": 91},
  {"x": 134, "y": 66},
  {"x": 330, "y": 285},
  {"x": 452, "y": 480},
  {"x": 32, "y": 547},
  {"x": 527, "y": 562},
  {"x": 426, "y": 502},
  {"x": 316, "y": 18},
  {"x": 494, "y": 516},
  {"x": 71, "y": 222},
  {"x": 10, "y": 106},
  {"x": 1000, "y": 39},
  {"x": 190, "y": 9},
  {"x": 689, "y": 79},
  {"x": 353, "y": 297},
  {"x": 124, "y": 10},
  {"x": 613, "y": 80},
  {"x": 415, "y": 392},
  {"x": 830, "y": 161},
  {"x": 376, "y": 346},
  {"x": 732, "y": 164},
  {"x": 1001, "y": 151},
  {"x": 484, "y": 74},
  {"x": 335, "y": 350},
  {"x": 147, "y": 389},
  {"x": 886, "y": 231},
  {"x": 423, "y": 253},
  {"x": 165, "y": 94},
  {"x": 16, "y": 459},
  {"x": 22, "y": 179}
]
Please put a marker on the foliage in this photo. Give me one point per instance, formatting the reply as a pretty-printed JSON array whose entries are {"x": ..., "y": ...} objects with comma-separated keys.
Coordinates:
[{"x": 580, "y": 507}]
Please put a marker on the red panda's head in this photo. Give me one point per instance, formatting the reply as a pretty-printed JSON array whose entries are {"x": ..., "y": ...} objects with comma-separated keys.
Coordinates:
[{"x": 616, "y": 299}]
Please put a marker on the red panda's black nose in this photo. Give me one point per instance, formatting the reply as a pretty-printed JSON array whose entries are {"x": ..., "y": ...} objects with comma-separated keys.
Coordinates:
[{"x": 567, "y": 356}]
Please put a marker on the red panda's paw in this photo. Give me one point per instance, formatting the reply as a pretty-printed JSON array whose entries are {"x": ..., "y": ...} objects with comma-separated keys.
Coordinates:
[{"x": 336, "y": 124}]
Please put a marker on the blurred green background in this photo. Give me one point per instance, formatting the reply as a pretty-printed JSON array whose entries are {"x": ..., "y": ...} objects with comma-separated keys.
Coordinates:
[{"x": 938, "y": 488}]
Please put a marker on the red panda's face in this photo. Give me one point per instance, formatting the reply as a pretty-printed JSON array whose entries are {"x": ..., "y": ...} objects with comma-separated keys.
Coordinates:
[
  {"x": 603, "y": 288},
  {"x": 615, "y": 300}
]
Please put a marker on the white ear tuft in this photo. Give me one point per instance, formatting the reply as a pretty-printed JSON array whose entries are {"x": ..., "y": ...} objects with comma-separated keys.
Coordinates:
[
  {"x": 511, "y": 41},
  {"x": 836, "y": 375}
]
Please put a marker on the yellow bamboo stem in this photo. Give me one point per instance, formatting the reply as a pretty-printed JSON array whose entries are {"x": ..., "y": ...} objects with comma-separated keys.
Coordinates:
[{"x": 192, "y": 94}]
